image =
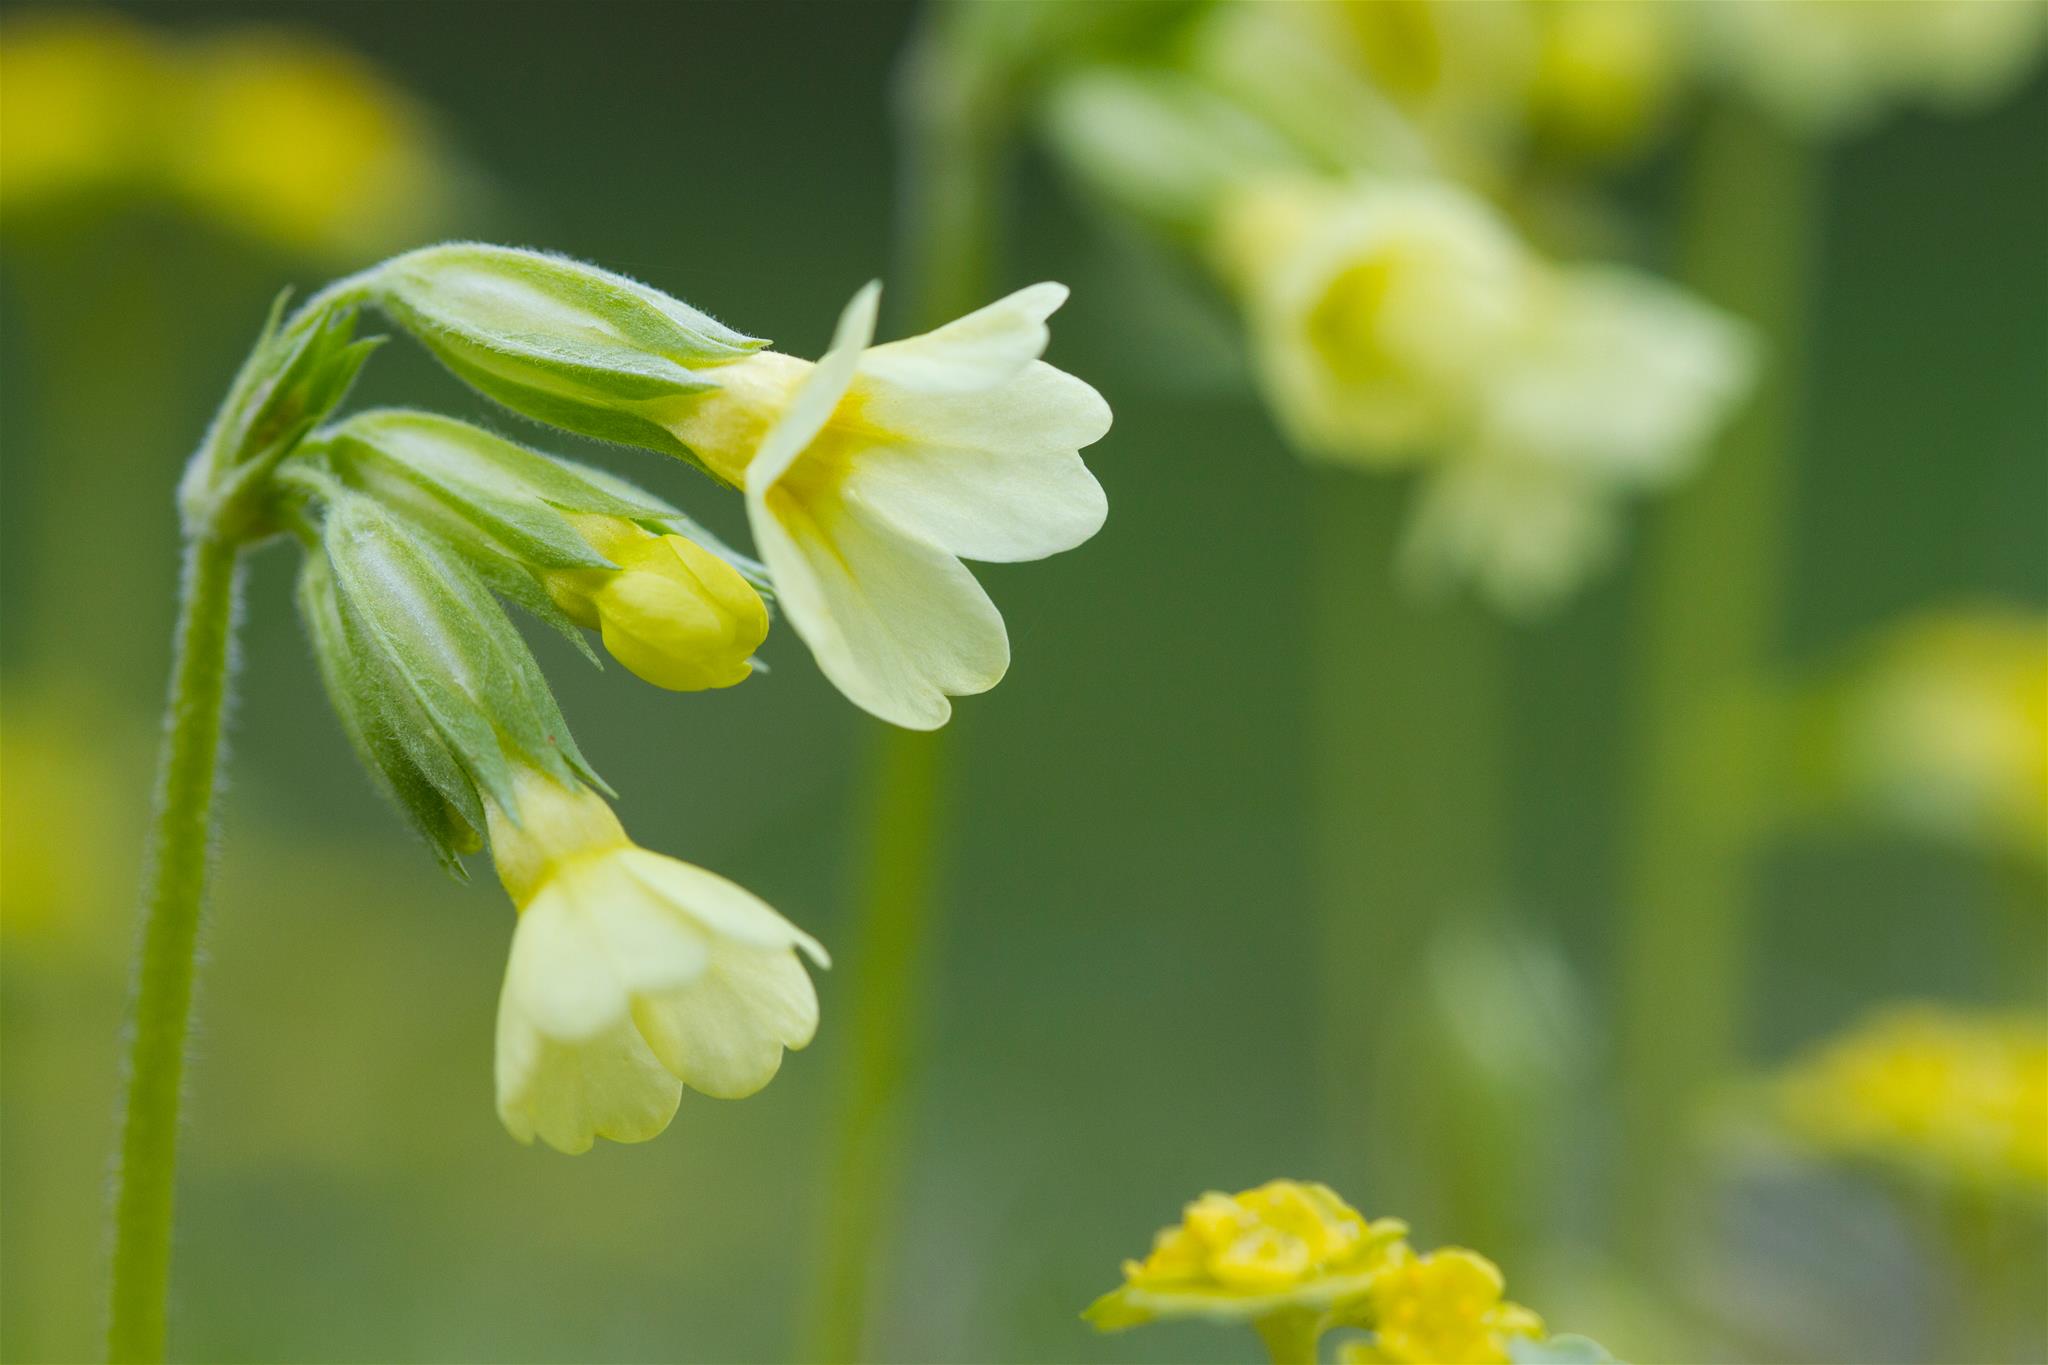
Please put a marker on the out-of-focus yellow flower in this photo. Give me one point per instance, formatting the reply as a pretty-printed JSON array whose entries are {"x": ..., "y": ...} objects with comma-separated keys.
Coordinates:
[
  {"x": 1829, "y": 65},
  {"x": 631, "y": 976},
  {"x": 1958, "y": 1095},
  {"x": 62, "y": 798},
  {"x": 79, "y": 98},
  {"x": 294, "y": 139},
  {"x": 1445, "y": 1308},
  {"x": 1376, "y": 308},
  {"x": 1605, "y": 71},
  {"x": 673, "y": 612},
  {"x": 278, "y": 135},
  {"x": 1284, "y": 1246},
  {"x": 1946, "y": 728},
  {"x": 872, "y": 473}
]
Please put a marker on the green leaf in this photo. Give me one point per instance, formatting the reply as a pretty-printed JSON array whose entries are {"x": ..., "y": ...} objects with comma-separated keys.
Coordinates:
[{"x": 1562, "y": 1350}]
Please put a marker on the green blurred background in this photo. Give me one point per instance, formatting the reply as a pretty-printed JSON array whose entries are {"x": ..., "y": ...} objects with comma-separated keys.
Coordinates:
[{"x": 1121, "y": 1011}]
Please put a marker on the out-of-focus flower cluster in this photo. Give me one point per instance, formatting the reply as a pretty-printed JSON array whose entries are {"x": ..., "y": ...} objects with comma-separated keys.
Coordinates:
[
  {"x": 1383, "y": 190},
  {"x": 1295, "y": 1261},
  {"x": 1943, "y": 728},
  {"x": 1958, "y": 1096},
  {"x": 268, "y": 131}
]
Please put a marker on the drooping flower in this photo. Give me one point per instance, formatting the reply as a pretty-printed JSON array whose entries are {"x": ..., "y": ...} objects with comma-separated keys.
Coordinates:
[
  {"x": 1611, "y": 385},
  {"x": 673, "y": 612},
  {"x": 1959, "y": 1096},
  {"x": 1283, "y": 1247},
  {"x": 631, "y": 976},
  {"x": 1376, "y": 309},
  {"x": 870, "y": 475},
  {"x": 1445, "y": 1308}
]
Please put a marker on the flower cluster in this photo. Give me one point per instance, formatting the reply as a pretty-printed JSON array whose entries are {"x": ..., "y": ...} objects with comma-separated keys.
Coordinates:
[
  {"x": 1383, "y": 190},
  {"x": 1295, "y": 1261},
  {"x": 1960, "y": 1096},
  {"x": 1348, "y": 173},
  {"x": 867, "y": 476}
]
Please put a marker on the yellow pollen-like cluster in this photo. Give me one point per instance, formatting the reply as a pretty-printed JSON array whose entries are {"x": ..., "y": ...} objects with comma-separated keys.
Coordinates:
[
  {"x": 1279, "y": 1236},
  {"x": 1444, "y": 1307}
]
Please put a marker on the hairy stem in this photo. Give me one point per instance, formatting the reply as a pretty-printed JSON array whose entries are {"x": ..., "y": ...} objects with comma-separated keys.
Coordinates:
[
  {"x": 1709, "y": 621},
  {"x": 180, "y": 837}
]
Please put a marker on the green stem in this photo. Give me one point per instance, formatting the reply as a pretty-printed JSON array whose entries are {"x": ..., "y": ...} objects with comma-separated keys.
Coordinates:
[
  {"x": 1291, "y": 1338},
  {"x": 180, "y": 838},
  {"x": 1407, "y": 835},
  {"x": 891, "y": 955},
  {"x": 1710, "y": 617},
  {"x": 951, "y": 131}
]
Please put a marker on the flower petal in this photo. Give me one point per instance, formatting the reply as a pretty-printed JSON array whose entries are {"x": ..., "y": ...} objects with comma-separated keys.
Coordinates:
[
  {"x": 819, "y": 393},
  {"x": 992, "y": 475},
  {"x": 895, "y": 623},
  {"x": 975, "y": 352},
  {"x": 724, "y": 908},
  {"x": 724, "y": 1033},
  {"x": 609, "y": 1085}
]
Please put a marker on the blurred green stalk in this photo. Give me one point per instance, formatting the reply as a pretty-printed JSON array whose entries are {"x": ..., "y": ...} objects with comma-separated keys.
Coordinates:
[
  {"x": 1710, "y": 618},
  {"x": 181, "y": 834},
  {"x": 950, "y": 134},
  {"x": 1407, "y": 832}
]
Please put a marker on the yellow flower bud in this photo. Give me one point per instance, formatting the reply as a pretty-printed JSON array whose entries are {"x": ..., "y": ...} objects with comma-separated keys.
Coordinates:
[{"x": 673, "y": 612}]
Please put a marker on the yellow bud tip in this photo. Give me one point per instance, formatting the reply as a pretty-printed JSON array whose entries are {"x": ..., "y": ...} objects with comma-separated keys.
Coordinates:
[{"x": 679, "y": 616}]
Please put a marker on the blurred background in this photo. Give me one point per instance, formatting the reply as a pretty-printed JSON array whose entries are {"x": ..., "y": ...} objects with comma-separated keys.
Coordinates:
[{"x": 1134, "y": 990}]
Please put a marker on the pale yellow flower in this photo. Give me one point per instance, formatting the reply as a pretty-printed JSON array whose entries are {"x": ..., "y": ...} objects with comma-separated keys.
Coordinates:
[
  {"x": 631, "y": 976},
  {"x": 1445, "y": 1308},
  {"x": 1605, "y": 71},
  {"x": 1376, "y": 308},
  {"x": 1282, "y": 1247},
  {"x": 870, "y": 475},
  {"x": 1611, "y": 384},
  {"x": 1830, "y": 65},
  {"x": 1945, "y": 727},
  {"x": 1957, "y": 1095},
  {"x": 673, "y": 612}
]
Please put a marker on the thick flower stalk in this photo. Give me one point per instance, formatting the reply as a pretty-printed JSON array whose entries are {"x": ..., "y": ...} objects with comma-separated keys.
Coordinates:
[
  {"x": 1294, "y": 1261},
  {"x": 631, "y": 976}
]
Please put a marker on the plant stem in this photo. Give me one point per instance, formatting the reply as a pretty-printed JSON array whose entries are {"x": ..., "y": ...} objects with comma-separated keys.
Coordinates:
[
  {"x": 891, "y": 953},
  {"x": 1291, "y": 1337},
  {"x": 1710, "y": 617},
  {"x": 950, "y": 132},
  {"x": 1407, "y": 833},
  {"x": 180, "y": 839}
]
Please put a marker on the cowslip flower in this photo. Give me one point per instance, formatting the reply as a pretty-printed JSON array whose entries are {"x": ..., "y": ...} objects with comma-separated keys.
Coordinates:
[
  {"x": 673, "y": 612},
  {"x": 1951, "y": 1094},
  {"x": 872, "y": 473},
  {"x": 1611, "y": 384},
  {"x": 1445, "y": 1308},
  {"x": 1376, "y": 308},
  {"x": 631, "y": 975},
  {"x": 1285, "y": 1247}
]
